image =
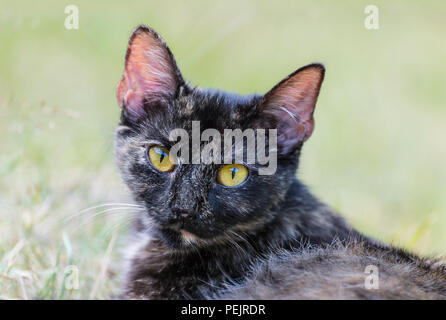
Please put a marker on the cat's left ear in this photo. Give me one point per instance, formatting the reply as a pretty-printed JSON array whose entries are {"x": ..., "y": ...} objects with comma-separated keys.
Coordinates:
[
  {"x": 150, "y": 74},
  {"x": 289, "y": 106}
]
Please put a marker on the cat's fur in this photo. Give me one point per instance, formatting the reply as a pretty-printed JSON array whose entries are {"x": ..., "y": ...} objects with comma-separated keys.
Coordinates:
[{"x": 268, "y": 238}]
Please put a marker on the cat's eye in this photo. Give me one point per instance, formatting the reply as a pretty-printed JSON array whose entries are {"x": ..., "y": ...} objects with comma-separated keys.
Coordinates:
[
  {"x": 159, "y": 157},
  {"x": 231, "y": 175}
]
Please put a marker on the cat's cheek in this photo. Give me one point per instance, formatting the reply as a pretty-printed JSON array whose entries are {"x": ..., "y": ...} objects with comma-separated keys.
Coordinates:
[
  {"x": 259, "y": 195},
  {"x": 216, "y": 204},
  {"x": 230, "y": 205}
]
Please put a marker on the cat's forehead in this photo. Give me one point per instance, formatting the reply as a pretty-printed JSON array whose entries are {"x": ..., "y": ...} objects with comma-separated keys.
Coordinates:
[
  {"x": 215, "y": 109},
  {"x": 210, "y": 109}
]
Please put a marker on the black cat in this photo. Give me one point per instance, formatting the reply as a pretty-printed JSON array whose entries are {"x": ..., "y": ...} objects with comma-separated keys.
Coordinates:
[{"x": 224, "y": 230}]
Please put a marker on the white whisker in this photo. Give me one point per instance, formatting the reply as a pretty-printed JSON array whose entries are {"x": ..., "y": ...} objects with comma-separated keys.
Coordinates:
[
  {"x": 110, "y": 211},
  {"x": 84, "y": 211}
]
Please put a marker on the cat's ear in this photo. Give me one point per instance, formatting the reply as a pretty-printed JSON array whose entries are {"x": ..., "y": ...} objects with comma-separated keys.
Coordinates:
[
  {"x": 150, "y": 73},
  {"x": 289, "y": 106}
]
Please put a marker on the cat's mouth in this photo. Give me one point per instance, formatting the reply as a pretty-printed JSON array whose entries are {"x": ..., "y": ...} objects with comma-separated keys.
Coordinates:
[
  {"x": 188, "y": 237},
  {"x": 180, "y": 234}
]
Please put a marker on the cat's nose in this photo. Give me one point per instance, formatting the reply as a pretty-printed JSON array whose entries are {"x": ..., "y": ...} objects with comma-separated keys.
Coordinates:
[{"x": 181, "y": 213}]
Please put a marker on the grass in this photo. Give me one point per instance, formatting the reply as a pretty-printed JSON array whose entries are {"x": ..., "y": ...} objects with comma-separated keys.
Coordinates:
[{"x": 377, "y": 154}]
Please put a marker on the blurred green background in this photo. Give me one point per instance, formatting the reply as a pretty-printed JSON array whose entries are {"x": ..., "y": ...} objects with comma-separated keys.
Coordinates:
[{"x": 377, "y": 155}]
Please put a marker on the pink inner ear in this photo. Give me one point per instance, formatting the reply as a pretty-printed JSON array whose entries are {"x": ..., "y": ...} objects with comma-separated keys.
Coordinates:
[
  {"x": 150, "y": 72},
  {"x": 291, "y": 104}
]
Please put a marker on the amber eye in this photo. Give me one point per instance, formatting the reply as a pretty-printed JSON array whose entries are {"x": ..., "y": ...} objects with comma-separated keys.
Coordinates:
[
  {"x": 231, "y": 175},
  {"x": 159, "y": 157}
]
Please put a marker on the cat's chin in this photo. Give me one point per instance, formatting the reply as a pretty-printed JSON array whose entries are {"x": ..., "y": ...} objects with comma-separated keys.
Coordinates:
[{"x": 179, "y": 239}]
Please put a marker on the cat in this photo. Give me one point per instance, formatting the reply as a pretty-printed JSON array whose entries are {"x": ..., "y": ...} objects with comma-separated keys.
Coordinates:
[{"x": 203, "y": 234}]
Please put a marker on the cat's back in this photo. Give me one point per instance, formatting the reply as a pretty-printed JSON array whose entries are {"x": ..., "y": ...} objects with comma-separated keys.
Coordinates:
[{"x": 353, "y": 270}]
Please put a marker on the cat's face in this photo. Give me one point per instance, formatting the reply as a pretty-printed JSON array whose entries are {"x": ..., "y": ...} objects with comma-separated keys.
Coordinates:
[{"x": 194, "y": 204}]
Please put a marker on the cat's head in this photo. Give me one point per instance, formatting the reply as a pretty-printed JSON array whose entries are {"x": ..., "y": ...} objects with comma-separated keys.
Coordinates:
[{"x": 195, "y": 204}]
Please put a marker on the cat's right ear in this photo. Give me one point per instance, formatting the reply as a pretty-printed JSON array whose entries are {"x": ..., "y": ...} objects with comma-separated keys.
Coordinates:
[
  {"x": 150, "y": 74},
  {"x": 289, "y": 106}
]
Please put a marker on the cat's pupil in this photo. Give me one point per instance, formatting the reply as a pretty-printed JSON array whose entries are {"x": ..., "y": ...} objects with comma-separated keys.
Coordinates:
[
  {"x": 234, "y": 171},
  {"x": 161, "y": 153}
]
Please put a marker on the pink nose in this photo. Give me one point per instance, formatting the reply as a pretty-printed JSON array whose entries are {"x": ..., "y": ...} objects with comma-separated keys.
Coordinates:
[{"x": 184, "y": 215}]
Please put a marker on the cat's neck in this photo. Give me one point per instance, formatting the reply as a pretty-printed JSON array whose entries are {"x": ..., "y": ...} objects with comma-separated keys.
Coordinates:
[
  {"x": 159, "y": 272},
  {"x": 309, "y": 219}
]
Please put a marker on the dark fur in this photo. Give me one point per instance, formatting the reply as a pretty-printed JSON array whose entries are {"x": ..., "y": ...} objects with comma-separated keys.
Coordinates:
[
  {"x": 268, "y": 238},
  {"x": 337, "y": 272}
]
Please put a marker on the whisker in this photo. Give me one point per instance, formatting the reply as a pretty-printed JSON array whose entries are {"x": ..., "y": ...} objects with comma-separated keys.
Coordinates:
[
  {"x": 110, "y": 211},
  {"x": 120, "y": 223},
  {"x": 84, "y": 211}
]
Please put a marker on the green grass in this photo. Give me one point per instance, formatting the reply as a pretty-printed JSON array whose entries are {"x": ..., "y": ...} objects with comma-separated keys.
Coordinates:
[{"x": 377, "y": 154}]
